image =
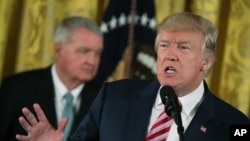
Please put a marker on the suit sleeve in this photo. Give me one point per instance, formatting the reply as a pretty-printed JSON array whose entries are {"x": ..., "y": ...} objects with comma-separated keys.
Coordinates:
[{"x": 6, "y": 110}]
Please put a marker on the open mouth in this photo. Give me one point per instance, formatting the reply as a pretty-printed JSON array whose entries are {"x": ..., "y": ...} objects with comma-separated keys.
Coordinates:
[{"x": 170, "y": 69}]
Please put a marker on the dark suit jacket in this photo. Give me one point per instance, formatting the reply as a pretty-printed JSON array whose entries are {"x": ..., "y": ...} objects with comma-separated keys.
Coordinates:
[
  {"x": 23, "y": 90},
  {"x": 122, "y": 109}
]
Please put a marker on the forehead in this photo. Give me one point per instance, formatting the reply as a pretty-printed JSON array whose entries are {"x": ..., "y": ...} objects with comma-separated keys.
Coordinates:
[
  {"x": 178, "y": 36},
  {"x": 86, "y": 37},
  {"x": 84, "y": 32}
]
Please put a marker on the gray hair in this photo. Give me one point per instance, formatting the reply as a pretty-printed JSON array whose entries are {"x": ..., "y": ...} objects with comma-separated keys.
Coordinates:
[
  {"x": 67, "y": 25},
  {"x": 187, "y": 21}
]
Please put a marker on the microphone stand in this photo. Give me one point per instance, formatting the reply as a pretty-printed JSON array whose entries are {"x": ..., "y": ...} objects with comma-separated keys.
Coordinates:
[
  {"x": 180, "y": 128},
  {"x": 173, "y": 109},
  {"x": 176, "y": 113}
]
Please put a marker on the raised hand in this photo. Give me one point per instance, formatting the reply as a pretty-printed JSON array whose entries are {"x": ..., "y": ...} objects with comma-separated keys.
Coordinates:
[{"x": 41, "y": 129}]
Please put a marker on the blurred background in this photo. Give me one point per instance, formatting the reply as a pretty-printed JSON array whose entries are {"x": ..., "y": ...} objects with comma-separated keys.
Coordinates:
[{"x": 27, "y": 27}]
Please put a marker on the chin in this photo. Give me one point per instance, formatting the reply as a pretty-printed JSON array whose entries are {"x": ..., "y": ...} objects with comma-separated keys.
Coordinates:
[
  {"x": 86, "y": 79},
  {"x": 167, "y": 82}
]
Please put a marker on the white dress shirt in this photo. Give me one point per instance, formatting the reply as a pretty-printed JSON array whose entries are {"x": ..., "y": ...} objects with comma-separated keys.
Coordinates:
[
  {"x": 60, "y": 91},
  {"x": 189, "y": 102}
]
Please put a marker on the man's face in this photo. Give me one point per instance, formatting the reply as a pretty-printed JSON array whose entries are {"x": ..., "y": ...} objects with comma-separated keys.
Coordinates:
[
  {"x": 180, "y": 62},
  {"x": 78, "y": 59}
]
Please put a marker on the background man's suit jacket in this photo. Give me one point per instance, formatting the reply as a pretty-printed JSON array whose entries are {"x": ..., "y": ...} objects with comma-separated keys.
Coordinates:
[
  {"x": 122, "y": 109},
  {"x": 23, "y": 90}
]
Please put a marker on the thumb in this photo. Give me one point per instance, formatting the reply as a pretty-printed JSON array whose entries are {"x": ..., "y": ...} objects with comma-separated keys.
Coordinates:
[{"x": 62, "y": 124}]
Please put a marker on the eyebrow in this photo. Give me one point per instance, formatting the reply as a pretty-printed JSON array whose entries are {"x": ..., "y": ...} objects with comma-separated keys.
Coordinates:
[
  {"x": 183, "y": 42},
  {"x": 177, "y": 42}
]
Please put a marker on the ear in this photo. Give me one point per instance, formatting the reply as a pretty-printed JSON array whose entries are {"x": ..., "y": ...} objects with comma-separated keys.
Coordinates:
[
  {"x": 57, "y": 48},
  {"x": 207, "y": 64}
]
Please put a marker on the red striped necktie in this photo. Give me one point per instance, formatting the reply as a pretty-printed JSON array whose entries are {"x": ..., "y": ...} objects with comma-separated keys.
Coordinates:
[{"x": 160, "y": 129}]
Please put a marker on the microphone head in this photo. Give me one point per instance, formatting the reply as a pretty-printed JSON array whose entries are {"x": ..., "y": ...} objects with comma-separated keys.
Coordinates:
[{"x": 166, "y": 92}]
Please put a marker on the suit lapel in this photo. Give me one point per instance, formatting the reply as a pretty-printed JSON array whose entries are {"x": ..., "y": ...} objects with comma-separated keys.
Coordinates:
[
  {"x": 46, "y": 95},
  {"x": 202, "y": 123},
  {"x": 140, "y": 108},
  {"x": 87, "y": 95}
]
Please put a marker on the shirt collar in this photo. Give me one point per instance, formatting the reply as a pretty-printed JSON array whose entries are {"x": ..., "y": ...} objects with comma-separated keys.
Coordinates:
[
  {"x": 158, "y": 102},
  {"x": 189, "y": 102},
  {"x": 60, "y": 88}
]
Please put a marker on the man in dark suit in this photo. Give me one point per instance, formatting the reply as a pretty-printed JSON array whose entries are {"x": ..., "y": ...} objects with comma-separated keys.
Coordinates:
[
  {"x": 78, "y": 44},
  {"x": 126, "y": 110}
]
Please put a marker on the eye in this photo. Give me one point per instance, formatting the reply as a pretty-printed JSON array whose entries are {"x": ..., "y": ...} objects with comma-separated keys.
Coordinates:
[
  {"x": 183, "y": 47},
  {"x": 164, "y": 45},
  {"x": 98, "y": 53},
  {"x": 83, "y": 51}
]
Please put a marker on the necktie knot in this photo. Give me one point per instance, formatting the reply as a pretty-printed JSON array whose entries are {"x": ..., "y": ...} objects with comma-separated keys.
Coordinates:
[{"x": 69, "y": 98}]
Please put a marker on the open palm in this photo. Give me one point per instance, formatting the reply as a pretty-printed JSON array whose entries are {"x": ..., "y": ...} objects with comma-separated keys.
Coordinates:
[{"x": 41, "y": 129}]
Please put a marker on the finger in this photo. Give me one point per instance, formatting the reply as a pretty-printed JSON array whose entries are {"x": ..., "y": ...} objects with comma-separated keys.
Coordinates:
[
  {"x": 21, "y": 137},
  {"x": 62, "y": 124},
  {"x": 40, "y": 114},
  {"x": 26, "y": 126},
  {"x": 29, "y": 116}
]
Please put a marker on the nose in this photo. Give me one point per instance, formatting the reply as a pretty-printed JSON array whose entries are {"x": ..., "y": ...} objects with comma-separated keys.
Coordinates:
[
  {"x": 171, "y": 54},
  {"x": 172, "y": 58}
]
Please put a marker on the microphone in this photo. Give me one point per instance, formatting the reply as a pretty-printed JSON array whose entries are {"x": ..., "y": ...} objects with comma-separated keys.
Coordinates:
[{"x": 172, "y": 107}]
